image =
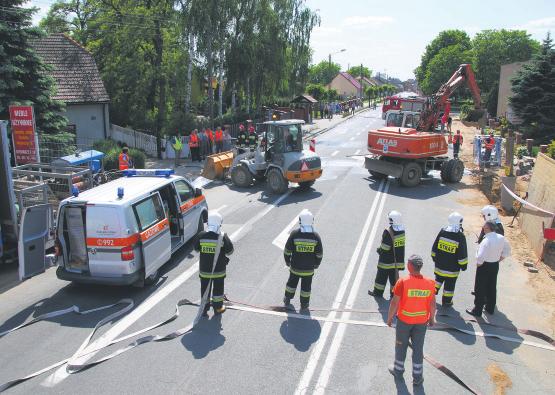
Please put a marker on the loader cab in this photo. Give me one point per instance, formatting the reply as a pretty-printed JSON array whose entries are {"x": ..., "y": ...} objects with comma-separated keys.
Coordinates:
[{"x": 281, "y": 137}]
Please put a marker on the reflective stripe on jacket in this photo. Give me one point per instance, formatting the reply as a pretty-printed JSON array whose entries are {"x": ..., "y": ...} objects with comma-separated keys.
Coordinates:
[{"x": 416, "y": 292}]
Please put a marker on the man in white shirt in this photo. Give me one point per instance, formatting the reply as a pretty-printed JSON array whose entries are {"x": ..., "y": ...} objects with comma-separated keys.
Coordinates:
[{"x": 492, "y": 250}]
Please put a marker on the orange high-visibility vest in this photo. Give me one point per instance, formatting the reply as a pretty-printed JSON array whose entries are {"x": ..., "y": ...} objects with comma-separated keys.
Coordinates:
[
  {"x": 490, "y": 143},
  {"x": 210, "y": 135},
  {"x": 219, "y": 136},
  {"x": 416, "y": 293},
  {"x": 458, "y": 139},
  {"x": 193, "y": 141},
  {"x": 123, "y": 160}
]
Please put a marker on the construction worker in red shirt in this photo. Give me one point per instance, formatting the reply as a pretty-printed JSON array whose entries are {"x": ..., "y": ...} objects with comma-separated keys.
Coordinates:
[
  {"x": 489, "y": 144},
  {"x": 124, "y": 159},
  {"x": 414, "y": 305},
  {"x": 219, "y": 140},
  {"x": 457, "y": 142},
  {"x": 194, "y": 146}
]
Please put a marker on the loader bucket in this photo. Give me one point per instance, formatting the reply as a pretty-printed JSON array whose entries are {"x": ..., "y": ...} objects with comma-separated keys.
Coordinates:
[{"x": 217, "y": 165}]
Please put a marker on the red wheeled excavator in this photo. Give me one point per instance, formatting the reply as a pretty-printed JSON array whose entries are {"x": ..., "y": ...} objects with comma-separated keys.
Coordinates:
[{"x": 409, "y": 153}]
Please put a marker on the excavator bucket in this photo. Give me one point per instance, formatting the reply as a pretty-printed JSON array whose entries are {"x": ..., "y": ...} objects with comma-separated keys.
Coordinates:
[{"x": 217, "y": 165}]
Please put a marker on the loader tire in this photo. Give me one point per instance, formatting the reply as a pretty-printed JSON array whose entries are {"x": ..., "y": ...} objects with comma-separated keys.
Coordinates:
[
  {"x": 241, "y": 176},
  {"x": 275, "y": 182},
  {"x": 412, "y": 173}
]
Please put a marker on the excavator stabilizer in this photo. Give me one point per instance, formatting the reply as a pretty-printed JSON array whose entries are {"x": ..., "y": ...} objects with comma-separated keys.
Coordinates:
[{"x": 217, "y": 165}]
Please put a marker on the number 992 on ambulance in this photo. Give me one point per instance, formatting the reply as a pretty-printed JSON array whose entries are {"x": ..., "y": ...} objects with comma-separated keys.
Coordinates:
[{"x": 122, "y": 232}]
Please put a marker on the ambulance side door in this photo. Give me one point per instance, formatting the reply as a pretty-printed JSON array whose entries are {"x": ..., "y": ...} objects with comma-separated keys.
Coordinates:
[
  {"x": 189, "y": 210},
  {"x": 33, "y": 233},
  {"x": 154, "y": 232}
]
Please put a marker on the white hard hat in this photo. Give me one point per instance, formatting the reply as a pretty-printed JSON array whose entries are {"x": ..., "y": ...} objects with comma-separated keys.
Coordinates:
[
  {"x": 490, "y": 213},
  {"x": 306, "y": 218},
  {"x": 455, "y": 219},
  {"x": 395, "y": 218},
  {"x": 214, "y": 221}
]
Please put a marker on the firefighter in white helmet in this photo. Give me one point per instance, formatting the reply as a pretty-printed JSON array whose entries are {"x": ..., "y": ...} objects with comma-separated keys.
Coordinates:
[
  {"x": 490, "y": 213},
  {"x": 450, "y": 256},
  {"x": 391, "y": 255},
  {"x": 303, "y": 253},
  {"x": 212, "y": 274}
]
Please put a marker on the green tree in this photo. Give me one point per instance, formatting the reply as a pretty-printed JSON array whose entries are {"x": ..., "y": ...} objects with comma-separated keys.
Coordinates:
[
  {"x": 357, "y": 71},
  {"x": 444, "y": 39},
  {"x": 493, "y": 48},
  {"x": 442, "y": 66},
  {"x": 317, "y": 91},
  {"x": 323, "y": 72},
  {"x": 533, "y": 89},
  {"x": 70, "y": 16},
  {"x": 24, "y": 79}
]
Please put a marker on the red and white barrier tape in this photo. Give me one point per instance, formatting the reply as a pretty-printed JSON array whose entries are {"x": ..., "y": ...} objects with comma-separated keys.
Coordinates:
[{"x": 527, "y": 203}]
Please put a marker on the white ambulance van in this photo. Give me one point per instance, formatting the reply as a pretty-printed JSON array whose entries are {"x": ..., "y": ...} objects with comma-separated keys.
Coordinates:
[{"x": 123, "y": 231}]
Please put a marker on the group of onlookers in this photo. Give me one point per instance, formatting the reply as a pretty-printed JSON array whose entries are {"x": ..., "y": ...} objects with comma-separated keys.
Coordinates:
[{"x": 326, "y": 110}]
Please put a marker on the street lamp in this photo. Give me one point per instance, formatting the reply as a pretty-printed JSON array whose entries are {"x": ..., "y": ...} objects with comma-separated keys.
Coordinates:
[{"x": 334, "y": 53}]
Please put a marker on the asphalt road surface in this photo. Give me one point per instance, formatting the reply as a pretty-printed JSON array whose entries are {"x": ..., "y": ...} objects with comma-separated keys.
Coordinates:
[{"x": 244, "y": 352}]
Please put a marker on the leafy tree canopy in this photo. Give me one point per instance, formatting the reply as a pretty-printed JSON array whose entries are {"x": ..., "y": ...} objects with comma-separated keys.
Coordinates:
[
  {"x": 533, "y": 97},
  {"x": 323, "y": 72},
  {"x": 357, "y": 71},
  {"x": 24, "y": 79}
]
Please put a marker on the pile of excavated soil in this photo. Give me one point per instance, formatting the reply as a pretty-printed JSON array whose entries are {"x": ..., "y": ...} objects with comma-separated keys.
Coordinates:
[{"x": 500, "y": 380}]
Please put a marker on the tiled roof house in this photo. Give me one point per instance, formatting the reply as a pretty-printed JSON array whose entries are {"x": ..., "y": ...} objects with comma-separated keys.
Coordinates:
[{"x": 79, "y": 85}]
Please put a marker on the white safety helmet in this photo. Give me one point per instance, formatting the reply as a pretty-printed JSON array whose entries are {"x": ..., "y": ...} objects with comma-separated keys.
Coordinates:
[
  {"x": 455, "y": 221},
  {"x": 306, "y": 220},
  {"x": 490, "y": 213},
  {"x": 395, "y": 220},
  {"x": 214, "y": 221}
]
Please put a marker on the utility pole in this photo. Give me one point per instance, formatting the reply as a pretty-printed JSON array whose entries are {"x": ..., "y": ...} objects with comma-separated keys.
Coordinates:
[{"x": 361, "y": 84}]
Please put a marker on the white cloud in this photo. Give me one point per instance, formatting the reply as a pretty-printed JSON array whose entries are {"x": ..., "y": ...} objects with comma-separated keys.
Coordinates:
[
  {"x": 367, "y": 21},
  {"x": 543, "y": 23}
]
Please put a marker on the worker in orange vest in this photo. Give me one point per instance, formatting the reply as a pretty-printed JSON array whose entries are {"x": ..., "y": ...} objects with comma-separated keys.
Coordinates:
[
  {"x": 489, "y": 144},
  {"x": 124, "y": 159},
  {"x": 219, "y": 140},
  {"x": 194, "y": 146},
  {"x": 457, "y": 142},
  {"x": 415, "y": 306}
]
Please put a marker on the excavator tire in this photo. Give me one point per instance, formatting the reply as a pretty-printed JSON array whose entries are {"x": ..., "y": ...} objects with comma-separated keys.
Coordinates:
[
  {"x": 452, "y": 171},
  {"x": 241, "y": 176},
  {"x": 275, "y": 181},
  {"x": 412, "y": 173}
]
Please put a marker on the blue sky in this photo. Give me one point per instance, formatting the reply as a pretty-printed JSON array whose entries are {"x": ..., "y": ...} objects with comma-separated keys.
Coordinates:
[{"x": 390, "y": 36}]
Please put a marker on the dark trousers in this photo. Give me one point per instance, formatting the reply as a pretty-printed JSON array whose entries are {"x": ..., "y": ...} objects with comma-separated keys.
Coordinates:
[
  {"x": 215, "y": 292},
  {"x": 456, "y": 148},
  {"x": 416, "y": 333},
  {"x": 195, "y": 154},
  {"x": 306, "y": 286},
  {"x": 487, "y": 156},
  {"x": 219, "y": 146},
  {"x": 485, "y": 287},
  {"x": 381, "y": 281},
  {"x": 448, "y": 288}
]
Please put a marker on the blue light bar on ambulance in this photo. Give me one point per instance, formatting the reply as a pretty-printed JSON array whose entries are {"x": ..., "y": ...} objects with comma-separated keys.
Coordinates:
[{"x": 148, "y": 172}]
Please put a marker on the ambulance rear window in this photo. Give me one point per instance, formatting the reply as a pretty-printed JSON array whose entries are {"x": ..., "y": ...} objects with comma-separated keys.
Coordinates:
[
  {"x": 149, "y": 212},
  {"x": 103, "y": 222}
]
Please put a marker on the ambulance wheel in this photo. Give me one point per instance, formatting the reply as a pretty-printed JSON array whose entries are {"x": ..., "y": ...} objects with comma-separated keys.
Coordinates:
[
  {"x": 241, "y": 177},
  {"x": 306, "y": 184},
  {"x": 153, "y": 278},
  {"x": 200, "y": 226},
  {"x": 275, "y": 182},
  {"x": 412, "y": 173}
]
